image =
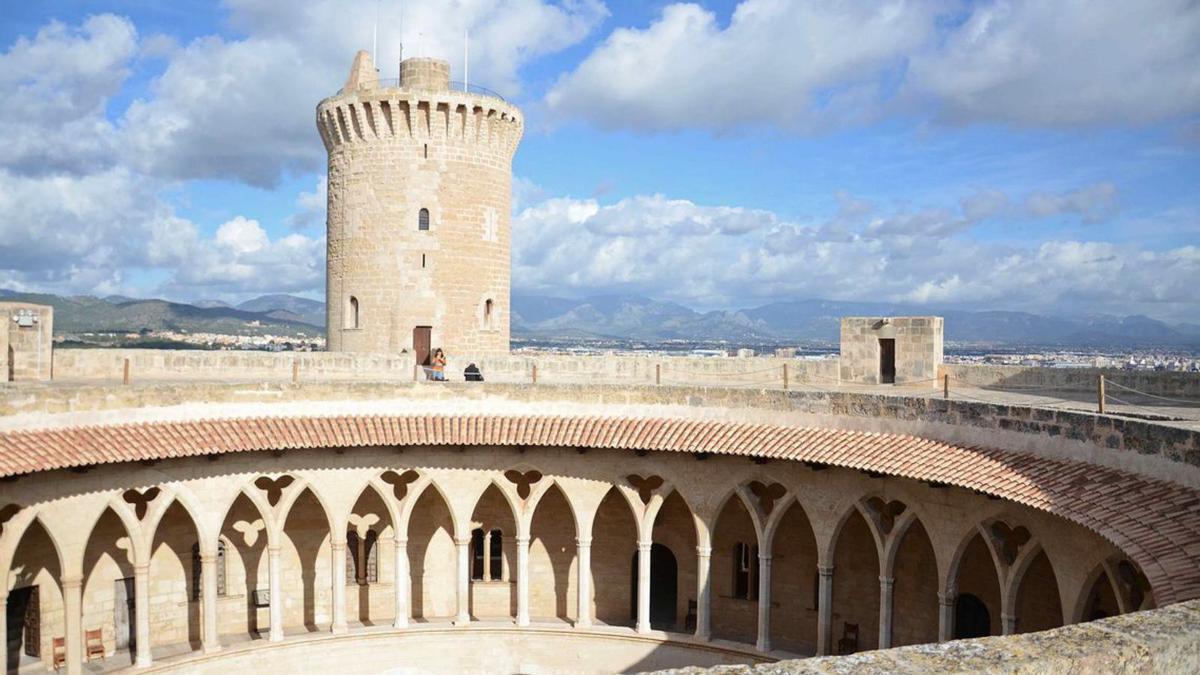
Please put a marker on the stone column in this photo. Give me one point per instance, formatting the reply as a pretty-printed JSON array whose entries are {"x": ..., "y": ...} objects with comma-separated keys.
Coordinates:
[
  {"x": 337, "y": 548},
  {"x": 73, "y": 609},
  {"x": 208, "y": 596},
  {"x": 643, "y": 587},
  {"x": 4, "y": 624},
  {"x": 825, "y": 610},
  {"x": 703, "y": 592},
  {"x": 584, "y": 582},
  {"x": 275, "y": 590},
  {"x": 764, "y": 603},
  {"x": 946, "y": 616},
  {"x": 886, "y": 586},
  {"x": 464, "y": 581},
  {"x": 487, "y": 555},
  {"x": 141, "y": 611},
  {"x": 522, "y": 580},
  {"x": 1008, "y": 624},
  {"x": 402, "y": 585}
]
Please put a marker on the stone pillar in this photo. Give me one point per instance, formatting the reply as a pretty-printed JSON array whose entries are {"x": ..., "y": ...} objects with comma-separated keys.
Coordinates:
[
  {"x": 584, "y": 582},
  {"x": 764, "y": 603},
  {"x": 1008, "y": 624},
  {"x": 208, "y": 596},
  {"x": 522, "y": 580},
  {"x": 643, "y": 587},
  {"x": 464, "y": 581},
  {"x": 275, "y": 590},
  {"x": 487, "y": 555},
  {"x": 946, "y": 616},
  {"x": 337, "y": 548},
  {"x": 4, "y": 624},
  {"x": 141, "y": 614},
  {"x": 402, "y": 585},
  {"x": 73, "y": 609},
  {"x": 703, "y": 592},
  {"x": 825, "y": 610},
  {"x": 886, "y": 586}
]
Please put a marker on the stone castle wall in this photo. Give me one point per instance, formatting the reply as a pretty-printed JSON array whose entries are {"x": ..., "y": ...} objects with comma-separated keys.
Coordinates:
[
  {"x": 26, "y": 341},
  {"x": 394, "y": 152},
  {"x": 918, "y": 348}
]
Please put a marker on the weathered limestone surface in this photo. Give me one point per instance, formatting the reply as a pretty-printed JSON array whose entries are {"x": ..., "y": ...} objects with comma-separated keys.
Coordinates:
[
  {"x": 394, "y": 155},
  {"x": 1165, "y": 641},
  {"x": 26, "y": 341},
  {"x": 918, "y": 352}
]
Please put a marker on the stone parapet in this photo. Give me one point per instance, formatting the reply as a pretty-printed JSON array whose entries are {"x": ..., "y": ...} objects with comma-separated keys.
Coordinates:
[
  {"x": 1033, "y": 379},
  {"x": 1165, "y": 640}
]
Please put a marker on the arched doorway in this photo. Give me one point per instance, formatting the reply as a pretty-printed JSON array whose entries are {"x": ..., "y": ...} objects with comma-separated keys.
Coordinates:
[
  {"x": 971, "y": 617},
  {"x": 664, "y": 585}
]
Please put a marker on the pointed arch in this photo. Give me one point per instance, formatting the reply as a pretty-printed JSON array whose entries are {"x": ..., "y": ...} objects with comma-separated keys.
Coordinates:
[
  {"x": 433, "y": 562},
  {"x": 734, "y": 571},
  {"x": 305, "y": 535},
  {"x": 369, "y": 525},
  {"x": 915, "y": 587},
  {"x": 108, "y": 589},
  {"x": 794, "y": 579},
  {"x": 494, "y": 530},
  {"x": 33, "y": 578},
  {"x": 855, "y": 555},
  {"x": 1100, "y": 597},
  {"x": 174, "y": 597},
  {"x": 247, "y": 532},
  {"x": 614, "y": 543},
  {"x": 675, "y": 529},
  {"x": 974, "y": 578},
  {"x": 552, "y": 557},
  {"x": 1038, "y": 605}
]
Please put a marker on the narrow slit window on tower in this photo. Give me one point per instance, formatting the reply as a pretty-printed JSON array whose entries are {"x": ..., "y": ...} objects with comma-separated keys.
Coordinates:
[
  {"x": 352, "y": 313},
  {"x": 423, "y": 219},
  {"x": 487, "y": 314},
  {"x": 426, "y": 151},
  {"x": 422, "y": 261}
]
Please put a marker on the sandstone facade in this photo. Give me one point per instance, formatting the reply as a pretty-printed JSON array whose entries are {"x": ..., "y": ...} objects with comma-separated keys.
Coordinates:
[
  {"x": 26, "y": 341},
  {"x": 418, "y": 228},
  {"x": 891, "y": 350}
]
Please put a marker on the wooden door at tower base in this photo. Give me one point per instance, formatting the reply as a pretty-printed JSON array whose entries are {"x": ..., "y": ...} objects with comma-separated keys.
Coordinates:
[{"x": 421, "y": 340}]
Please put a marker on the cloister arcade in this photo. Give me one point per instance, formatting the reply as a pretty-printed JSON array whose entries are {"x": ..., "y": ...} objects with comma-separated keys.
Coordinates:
[{"x": 787, "y": 558}]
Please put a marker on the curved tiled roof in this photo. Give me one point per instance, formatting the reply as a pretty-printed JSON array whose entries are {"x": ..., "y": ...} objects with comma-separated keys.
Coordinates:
[{"x": 1155, "y": 522}]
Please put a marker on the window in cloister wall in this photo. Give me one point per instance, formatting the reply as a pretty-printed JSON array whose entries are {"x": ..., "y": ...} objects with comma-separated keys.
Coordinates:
[
  {"x": 745, "y": 571},
  {"x": 197, "y": 581},
  {"x": 358, "y": 550},
  {"x": 487, "y": 555}
]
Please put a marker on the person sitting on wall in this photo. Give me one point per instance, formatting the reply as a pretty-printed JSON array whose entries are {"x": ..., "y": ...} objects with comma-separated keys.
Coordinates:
[
  {"x": 437, "y": 365},
  {"x": 472, "y": 374}
]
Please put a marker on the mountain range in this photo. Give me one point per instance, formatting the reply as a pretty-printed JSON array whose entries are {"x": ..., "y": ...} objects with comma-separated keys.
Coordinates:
[{"x": 627, "y": 317}]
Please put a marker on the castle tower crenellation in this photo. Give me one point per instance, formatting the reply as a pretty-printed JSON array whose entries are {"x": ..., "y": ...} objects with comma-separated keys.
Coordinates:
[{"x": 418, "y": 227}]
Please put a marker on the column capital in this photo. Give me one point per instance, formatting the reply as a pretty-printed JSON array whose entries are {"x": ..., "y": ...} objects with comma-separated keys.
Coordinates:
[
  {"x": 336, "y": 543},
  {"x": 704, "y": 551},
  {"x": 522, "y": 540},
  {"x": 583, "y": 543},
  {"x": 765, "y": 557},
  {"x": 645, "y": 545},
  {"x": 274, "y": 549},
  {"x": 825, "y": 570},
  {"x": 947, "y": 597},
  {"x": 401, "y": 541},
  {"x": 464, "y": 541},
  {"x": 70, "y": 582},
  {"x": 141, "y": 568},
  {"x": 887, "y": 581},
  {"x": 209, "y": 558}
]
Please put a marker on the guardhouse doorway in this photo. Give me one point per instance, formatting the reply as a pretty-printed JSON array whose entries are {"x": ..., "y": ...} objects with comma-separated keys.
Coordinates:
[
  {"x": 24, "y": 616},
  {"x": 971, "y": 618},
  {"x": 664, "y": 587},
  {"x": 887, "y": 361},
  {"x": 421, "y": 342}
]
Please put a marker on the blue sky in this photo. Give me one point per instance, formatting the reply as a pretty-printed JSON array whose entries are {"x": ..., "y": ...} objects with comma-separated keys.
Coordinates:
[{"x": 999, "y": 155}]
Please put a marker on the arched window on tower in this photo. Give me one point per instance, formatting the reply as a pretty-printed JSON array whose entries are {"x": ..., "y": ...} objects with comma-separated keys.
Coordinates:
[
  {"x": 352, "y": 313},
  {"x": 745, "y": 571},
  {"x": 423, "y": 219}
]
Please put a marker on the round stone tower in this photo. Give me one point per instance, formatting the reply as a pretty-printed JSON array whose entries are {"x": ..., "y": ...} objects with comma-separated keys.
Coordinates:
[{"x": 420, "y": 178}]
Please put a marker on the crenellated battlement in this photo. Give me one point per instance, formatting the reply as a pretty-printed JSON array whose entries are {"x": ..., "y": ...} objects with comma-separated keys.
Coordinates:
[{"x": 396, "y": 114}]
